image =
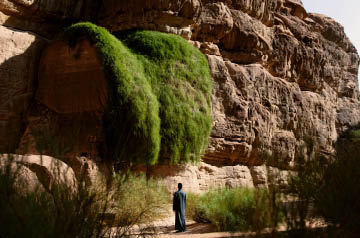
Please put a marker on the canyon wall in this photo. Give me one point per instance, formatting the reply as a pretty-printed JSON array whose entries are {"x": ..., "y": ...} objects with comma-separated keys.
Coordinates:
[{"x": 284, "y": 80}]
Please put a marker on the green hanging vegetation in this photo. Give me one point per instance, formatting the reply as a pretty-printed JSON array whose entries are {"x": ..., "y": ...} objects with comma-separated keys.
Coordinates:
[
  {"x": 180, "y": 78},
  {"x": 131, "y": 122},
  {"x": 159, "y": 94}
]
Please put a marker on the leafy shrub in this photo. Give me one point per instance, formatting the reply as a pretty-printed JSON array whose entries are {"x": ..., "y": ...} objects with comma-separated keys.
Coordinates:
[
  {"x": 333, "y": 185},
  {"x": 137, "y": 199},
  {"x": 62, "y": 212},
  {"x": 36, "y": 212},
  {"x": 159, "y": 94},
  {"x": 234, "y": 209},
  {"x": 355, "y": 135}
]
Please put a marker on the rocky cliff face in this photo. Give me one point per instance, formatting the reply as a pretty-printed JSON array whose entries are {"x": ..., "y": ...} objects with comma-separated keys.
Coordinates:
[{"x": 284, "y": 79}]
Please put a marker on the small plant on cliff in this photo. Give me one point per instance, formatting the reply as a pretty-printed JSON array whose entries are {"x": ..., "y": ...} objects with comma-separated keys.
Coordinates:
[{"x": 159, "y": 94}]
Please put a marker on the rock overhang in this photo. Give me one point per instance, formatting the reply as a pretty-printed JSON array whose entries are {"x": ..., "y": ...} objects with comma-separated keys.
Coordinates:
[{"x": 90, "y": 77}]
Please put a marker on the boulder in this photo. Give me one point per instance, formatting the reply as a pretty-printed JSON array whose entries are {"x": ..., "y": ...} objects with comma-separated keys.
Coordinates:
[{"x": 32, "y": 169}]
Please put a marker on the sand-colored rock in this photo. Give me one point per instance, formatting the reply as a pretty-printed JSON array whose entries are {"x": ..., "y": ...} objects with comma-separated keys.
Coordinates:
[
  {"x": 201, "y": 177},
  {"x": 155, "y": 14},
  {"x": 214, "y": 23},
  {"x": 67, "y": 118},
  {"x": 249, "y": 41},
  {"x": 257, "y": 115},
  {"x": 39, "y": 10},
  {"x": 74, "y": 84},
  {"x": 46, "y": 17},
  {"x": 284, "y": 79},
  {"x": 19, "y": 60},
  {"x": 49, "y": 171},
  {"x": 25, "y": 181}
]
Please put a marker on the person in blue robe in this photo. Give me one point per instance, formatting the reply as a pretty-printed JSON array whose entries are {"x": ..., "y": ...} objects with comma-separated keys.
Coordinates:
[{"x": 179, "y": 205}]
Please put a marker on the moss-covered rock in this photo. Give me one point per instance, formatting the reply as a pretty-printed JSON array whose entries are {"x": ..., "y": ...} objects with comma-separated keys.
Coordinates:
[{"x": 159, "y": 94}]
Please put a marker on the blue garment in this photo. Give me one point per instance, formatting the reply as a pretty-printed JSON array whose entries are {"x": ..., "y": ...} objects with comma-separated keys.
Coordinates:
[{"x": 179, "y": 205}]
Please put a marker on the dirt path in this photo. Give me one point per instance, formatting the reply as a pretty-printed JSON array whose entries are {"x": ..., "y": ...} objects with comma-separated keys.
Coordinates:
[
  {"x": 197, "y": 230},
  {"x": 166, "y": 228}
]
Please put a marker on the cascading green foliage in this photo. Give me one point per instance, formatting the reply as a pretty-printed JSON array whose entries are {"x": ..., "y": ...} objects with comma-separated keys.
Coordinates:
[
  {"x": 132, "y": 122},
  {"x": 180, "y": 78},
  {"x": 159, "y": 94}
]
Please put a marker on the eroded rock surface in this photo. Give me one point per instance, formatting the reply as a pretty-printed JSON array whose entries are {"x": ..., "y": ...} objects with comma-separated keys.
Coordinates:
[
  {"x": 50, "y": 10},
  {"x": 280, "y": 86},
  {"x": 285, "y": 81},
  {"x": 201, "y": 177},
  {"x": 19, "y": 60},
  {"x": 35, "y": 170},
  {"x": 74, "y": 84},
  {"x": 65, "y": 119},
  {"x": 283, "y": 78}
]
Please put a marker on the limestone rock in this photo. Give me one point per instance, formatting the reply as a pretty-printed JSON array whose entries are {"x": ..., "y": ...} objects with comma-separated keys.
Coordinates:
[
  {"x": 60, "y": 87},
  {"x": 258, "y": 9},
  {"x": 284, "y": 79},
  {"x": 25, "y": 181},
  {"x": 256, "y": 115},
  {"x": 348, "y": 114},
  {"x": 201, "y": 177},
  {"x": 214, "y": 23},
  {"x": 50, "y": 172},
  {"x": 207, "y": 48},
  {"x": 19, "y": 59},
  {"x": 259, "y": 175},
  {"x": 249, "y": 41},
  {"x": 121, "y": 15},
  {"x": 66, "y": 120},
  {"x": 46, "y": 17},
  {"x": 50, "y": 9}
]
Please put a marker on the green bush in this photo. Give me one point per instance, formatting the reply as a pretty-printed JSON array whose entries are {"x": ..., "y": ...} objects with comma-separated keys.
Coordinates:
[
  {"x": 138, "y": 200},
  {"x": 132, "y": 123},
  {"x": 333, "y": 184},
  {"x": 36, "y": 212},
  {"x": 159, "y": 94},
  {"x": 95, "y": 211},
  {"x": 238, "y": 209},
  {"x": 180, "y": 78},
  {"x": 355, "y": 135}
]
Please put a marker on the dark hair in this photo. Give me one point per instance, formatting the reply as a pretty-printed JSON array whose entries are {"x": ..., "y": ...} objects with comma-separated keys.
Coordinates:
[{"x": 179, "y": 185}]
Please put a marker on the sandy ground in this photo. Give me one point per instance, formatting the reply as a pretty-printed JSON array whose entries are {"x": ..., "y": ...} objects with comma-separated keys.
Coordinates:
[{"x": 166, "y": 228}]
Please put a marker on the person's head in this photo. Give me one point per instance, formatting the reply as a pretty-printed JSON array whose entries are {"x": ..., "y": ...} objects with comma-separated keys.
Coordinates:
[{"x": 179, "y": 186}]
